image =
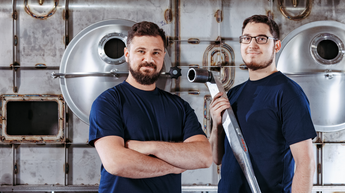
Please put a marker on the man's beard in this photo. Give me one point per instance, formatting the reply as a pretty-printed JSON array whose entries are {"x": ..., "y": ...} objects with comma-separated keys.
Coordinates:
[
  {"x": 255, "y": 66},
  {"x": 143, "y": 78}
]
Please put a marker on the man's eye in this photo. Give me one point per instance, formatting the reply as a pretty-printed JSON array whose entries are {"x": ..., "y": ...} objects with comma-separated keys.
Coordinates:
[
  {"x": 262, "y": 38},
  {"x": 246, "y": 38}
]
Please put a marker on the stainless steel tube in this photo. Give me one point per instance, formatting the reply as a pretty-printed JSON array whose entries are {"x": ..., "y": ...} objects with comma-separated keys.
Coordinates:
[{"x": 230, "y": 125}]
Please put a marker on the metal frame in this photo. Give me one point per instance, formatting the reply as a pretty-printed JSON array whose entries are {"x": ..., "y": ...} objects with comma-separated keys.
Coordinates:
[{"x": 59, "y": 138}]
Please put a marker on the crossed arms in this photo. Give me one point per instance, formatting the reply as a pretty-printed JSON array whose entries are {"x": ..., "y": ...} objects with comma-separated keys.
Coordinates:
[{"x": 146, "y": 159}]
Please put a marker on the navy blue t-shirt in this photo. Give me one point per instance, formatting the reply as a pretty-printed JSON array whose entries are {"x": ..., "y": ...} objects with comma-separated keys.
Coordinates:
[
  {"x": 273, "y": 113},
  {"x": 135, "y": 114}
]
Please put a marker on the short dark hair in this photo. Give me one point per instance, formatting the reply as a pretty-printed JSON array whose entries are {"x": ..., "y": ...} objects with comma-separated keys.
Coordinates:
[
  {"x": 274, "y": 29},
  {"x": 145, "y": 28}
]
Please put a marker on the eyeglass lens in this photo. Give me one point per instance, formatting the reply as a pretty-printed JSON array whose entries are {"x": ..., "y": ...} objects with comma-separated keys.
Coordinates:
[{"x": 258, "y": 39}]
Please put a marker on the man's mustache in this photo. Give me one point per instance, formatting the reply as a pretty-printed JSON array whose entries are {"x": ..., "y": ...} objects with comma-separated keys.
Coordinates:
[{"x": 148, "y": 64}]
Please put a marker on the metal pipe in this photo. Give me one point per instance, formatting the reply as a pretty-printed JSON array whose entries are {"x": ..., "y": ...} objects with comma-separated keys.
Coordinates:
[{"x": 230, "y": 125}]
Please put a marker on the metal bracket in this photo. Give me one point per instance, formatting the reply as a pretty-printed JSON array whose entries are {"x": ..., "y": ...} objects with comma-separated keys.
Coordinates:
[{"x": 15, "y": 68}]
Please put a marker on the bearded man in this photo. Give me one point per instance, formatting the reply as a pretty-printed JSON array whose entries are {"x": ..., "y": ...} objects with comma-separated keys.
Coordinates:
[
  {"x": 274, "y": 116},
  {"x": 145, "y": 137}
]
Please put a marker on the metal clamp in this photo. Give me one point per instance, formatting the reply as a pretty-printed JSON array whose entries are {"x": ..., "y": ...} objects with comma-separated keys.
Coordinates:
[{"x": 304, "y": 14}]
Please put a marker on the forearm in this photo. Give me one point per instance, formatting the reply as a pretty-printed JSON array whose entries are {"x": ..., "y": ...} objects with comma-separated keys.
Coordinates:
[
  {"x": 305, "y": 166},
  {"x": 193, "y": 153},
  {"x": 131, "y": 164},
  {"x": 217, "y": 143},
  {"x": 187, "y": 155},
  {"x": 303, "y": 179},
  {"x": 125, "y": 162}
]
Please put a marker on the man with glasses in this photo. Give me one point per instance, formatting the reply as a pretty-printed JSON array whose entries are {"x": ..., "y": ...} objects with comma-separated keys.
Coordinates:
[{"x": 274, "y": 116}]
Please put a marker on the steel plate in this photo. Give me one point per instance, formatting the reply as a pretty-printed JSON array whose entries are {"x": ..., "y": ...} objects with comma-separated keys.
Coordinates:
[
  {"x": 303, "y": 59},
  {"x": 84, "y": 55}
]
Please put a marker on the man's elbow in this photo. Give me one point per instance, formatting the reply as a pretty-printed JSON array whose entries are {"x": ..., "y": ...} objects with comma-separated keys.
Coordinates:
[
  {"x": 114, "y": 168},
  {"x": 308, "y": 165},
  {"x": 207, "y": 161}
]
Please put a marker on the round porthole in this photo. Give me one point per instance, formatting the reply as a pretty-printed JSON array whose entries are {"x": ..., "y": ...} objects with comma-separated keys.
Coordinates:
[
  {"x": 327, "y": 49},
  {"x": 111, "y": 48}
]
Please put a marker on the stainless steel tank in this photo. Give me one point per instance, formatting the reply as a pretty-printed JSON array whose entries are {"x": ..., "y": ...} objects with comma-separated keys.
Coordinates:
[
  {"x": 94, "y": 61},
  {"x": 313, "y": 56}
]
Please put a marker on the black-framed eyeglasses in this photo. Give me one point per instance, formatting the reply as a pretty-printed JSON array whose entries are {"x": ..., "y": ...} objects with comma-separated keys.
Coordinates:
[{"x": 261, "y": 39}]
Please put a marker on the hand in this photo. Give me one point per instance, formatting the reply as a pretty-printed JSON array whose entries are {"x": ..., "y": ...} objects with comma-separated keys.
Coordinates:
[
  {"x": 217, "y": 107},
  {"x": 139, "y": 146}
]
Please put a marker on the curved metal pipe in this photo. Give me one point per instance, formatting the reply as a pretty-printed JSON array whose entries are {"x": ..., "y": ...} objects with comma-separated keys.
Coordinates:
[{"x": 304, "y": 14}]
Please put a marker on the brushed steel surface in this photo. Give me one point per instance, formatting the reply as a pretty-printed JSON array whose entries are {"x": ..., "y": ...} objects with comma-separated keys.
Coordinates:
[
  {"x": 323, "y": 83},
  {"x": 6, "y": 40}
]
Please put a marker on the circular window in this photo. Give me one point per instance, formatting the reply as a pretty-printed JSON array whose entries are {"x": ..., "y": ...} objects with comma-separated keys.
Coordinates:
[
  {"x": 111, "y": 48},
  {"x": 327, "y": 49}
]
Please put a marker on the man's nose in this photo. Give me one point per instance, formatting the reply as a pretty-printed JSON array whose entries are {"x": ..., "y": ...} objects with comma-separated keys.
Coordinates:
[
  {"x": 253, "y": 43},
  {"x": 148, "y": 58}
]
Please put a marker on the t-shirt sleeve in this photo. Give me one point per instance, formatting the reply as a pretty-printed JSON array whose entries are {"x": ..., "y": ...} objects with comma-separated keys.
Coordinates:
[
  {"x": 191, "y": 126},
  {"x": 297, "y": 123},
  {"x": 105, "y": 118}
]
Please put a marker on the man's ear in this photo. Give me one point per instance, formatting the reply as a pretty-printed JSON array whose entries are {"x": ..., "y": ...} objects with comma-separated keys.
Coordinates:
[
  {"x": 277, "y": 46},
  {"x": 126, "y": 53}
]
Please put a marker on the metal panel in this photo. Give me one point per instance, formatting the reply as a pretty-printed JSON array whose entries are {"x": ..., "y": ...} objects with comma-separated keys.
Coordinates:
[
  {"x": 86, "y": 12},
  {"x": 6, "y": 40},
  {"x": 41, "y": 41},
  {"x": 334, "y": 172},
  {"x": 6, "y": 160},
  {"x": 84, "y": 166},
  {"x": 40, "y": 164}
]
